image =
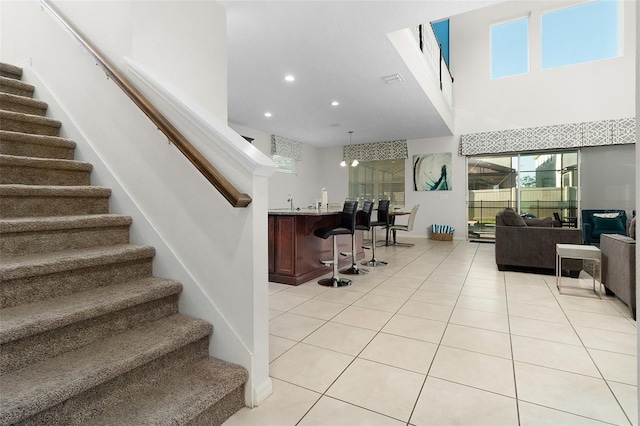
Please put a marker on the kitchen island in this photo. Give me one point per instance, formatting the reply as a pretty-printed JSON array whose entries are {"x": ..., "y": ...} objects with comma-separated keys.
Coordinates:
[{"x": 295, "y": 252}]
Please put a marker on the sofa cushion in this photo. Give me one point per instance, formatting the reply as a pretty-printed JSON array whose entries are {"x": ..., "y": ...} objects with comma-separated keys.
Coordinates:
[
  {"x": 632, "y": 228},
  {"x": 545, "y": 222},
  {"x": 607, "y": 224},
  {"x": 511, "y": 218},
  {"x": 607, "y": 215}
]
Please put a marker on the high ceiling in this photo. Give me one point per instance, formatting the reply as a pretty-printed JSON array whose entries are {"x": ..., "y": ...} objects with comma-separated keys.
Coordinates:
[{"x": 336, "y": 50}]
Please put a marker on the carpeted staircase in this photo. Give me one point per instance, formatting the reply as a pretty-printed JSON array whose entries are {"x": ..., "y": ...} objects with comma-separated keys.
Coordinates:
[{"x": 89, "y": 336}]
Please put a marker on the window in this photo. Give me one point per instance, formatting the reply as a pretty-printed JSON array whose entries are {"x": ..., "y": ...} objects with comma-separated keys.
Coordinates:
[
  {"x": 579, "y": 34},
  {"x": 285, "y": 164},
  {"x": 441, "y": 30},
  {"x": 510, "y": 48},
  {"x": 375, "y": 180},
  {"x": 537, "y": 184}
]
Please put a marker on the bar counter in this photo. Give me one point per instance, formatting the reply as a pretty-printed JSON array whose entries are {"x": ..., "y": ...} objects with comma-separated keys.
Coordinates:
[{"x": 295, "y": 252}]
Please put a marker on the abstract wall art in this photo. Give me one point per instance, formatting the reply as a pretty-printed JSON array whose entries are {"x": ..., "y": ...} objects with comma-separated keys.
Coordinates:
[{"x": 432, "y": 172}]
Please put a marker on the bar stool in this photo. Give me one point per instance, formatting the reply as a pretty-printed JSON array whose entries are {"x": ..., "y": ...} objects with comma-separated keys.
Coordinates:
[
  {"x": 383, "y": 220},
  {"x": 346, "y": 227},
  {"x": 364, "y": 225}
]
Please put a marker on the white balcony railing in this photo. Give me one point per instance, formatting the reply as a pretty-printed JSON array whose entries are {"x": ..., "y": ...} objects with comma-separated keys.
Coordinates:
[{"x": 432, "y": 51}]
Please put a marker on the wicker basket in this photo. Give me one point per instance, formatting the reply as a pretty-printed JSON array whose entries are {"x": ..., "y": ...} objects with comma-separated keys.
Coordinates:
[{"x": 442, "y": 237}]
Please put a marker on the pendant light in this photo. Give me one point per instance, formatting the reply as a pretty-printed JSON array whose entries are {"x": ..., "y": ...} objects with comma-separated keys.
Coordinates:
[
  {"x": 343, "y": 163},
  {"x": 355, "y": 160}
]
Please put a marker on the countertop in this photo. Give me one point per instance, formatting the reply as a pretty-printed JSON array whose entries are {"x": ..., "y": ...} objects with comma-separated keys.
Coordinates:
[{"x": 304, "y": 212}]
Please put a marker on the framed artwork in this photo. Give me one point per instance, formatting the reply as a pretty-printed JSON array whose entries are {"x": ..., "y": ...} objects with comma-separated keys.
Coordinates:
[{"x": 432, "y": 172}]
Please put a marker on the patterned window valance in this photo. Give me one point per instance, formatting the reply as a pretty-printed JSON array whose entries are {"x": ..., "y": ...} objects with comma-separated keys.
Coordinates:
[
  {"x": 286, "y": 147},
  {"x": 390, "y": 150},
  {"x": 573, "y": 135}
]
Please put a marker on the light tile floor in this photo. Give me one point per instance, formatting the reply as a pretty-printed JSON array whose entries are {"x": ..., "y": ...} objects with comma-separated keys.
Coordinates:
[{"x": 441, "y": 337}]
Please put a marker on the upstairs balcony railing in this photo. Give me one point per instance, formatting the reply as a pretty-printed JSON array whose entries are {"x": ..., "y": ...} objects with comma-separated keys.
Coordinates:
[{"x": 432, "y": 51}]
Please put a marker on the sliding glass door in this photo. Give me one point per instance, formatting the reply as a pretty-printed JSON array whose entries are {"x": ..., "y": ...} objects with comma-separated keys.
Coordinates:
[{"x": 534, "y": 184}]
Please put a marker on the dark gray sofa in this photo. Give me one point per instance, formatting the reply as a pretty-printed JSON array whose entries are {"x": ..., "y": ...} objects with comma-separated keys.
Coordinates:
[{"x": 520, "y": 246}]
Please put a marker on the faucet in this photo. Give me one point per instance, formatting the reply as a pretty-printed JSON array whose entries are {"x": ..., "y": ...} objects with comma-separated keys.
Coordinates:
[{"x": 290, "y": 200}]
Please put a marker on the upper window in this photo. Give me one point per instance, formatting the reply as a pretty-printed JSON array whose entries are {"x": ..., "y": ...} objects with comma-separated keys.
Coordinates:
[
  {"x": 510, "y": 48},
  {"x": 579, "y": 34}
]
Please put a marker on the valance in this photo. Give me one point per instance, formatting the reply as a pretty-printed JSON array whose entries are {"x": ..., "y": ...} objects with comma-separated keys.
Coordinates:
[
  {"x": 286, "y": 147},
  {"x": 389, "y": 150},
  {"x": 560, "y": 136}
]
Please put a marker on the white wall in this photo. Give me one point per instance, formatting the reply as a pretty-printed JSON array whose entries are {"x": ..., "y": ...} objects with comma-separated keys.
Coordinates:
[
  {"x": 216, "y": 251},
  {"x": 319, "y": 168},
  {"x": 587, "y": 92}
]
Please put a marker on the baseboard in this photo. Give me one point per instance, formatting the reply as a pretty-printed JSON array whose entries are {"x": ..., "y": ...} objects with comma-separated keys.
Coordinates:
[{"x": 261, "y": 392}]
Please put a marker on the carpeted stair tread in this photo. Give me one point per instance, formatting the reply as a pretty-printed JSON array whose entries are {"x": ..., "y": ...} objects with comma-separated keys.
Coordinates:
[
  {"x": 50, "y": 382},
  {"x": 39, "y": 146},
  {"x": 26, "y": 320},
  {"x": 22, "y": 104},
  {"x": 53, "y": 191},
  {"x": 10, "y": 71},
  {"x": 16, "y": 87},
  {"x": 44, "y": 171},
  {"x": 179, "y": 398},
  {"x": 48, "y": 263},
  {"x": 55, "y": 223},
  {"x": 29, "y": 123},
  {"x": 44, "y": 163}
]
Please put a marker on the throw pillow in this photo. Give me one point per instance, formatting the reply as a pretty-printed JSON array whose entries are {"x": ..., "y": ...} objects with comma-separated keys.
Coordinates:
[
  {"x": 607, "y": 215},
  {"x": 608, "y": 224},
  {"x": 632, "y": 228},
  {"x": 545, "y": 222},
  {"x": 511, "y": 218}
]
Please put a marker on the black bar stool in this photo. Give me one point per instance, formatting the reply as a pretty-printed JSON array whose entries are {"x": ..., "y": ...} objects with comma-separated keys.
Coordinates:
[
  {"x": 364, "y": 225},
  {"x": 383, "y": 220},
  {"x": 347, "y": 227}
]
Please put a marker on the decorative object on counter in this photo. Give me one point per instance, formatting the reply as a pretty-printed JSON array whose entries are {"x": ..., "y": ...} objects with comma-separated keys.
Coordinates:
[
  {"x": 363, "y": 225},
  {"x": 442, "y": 232},
  {"x": 324, "y": 198},
  {"x": 346, "y": 227},
  {"x": 290, "y": 201},
  {"x": 432, "y": 172}
]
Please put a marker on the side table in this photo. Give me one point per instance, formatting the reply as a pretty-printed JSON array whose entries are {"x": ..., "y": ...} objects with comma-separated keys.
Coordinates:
[{"x": 576, "y": 251}]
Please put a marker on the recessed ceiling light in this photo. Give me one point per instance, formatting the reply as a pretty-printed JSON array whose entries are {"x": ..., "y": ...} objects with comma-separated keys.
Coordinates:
[
  {"x": 335, "y": 103},
  {"x": 289, "y": 77},
  {"x": 267, "y": 114}
]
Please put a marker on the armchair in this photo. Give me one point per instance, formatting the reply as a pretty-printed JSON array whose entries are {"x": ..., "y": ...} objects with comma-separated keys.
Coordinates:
[{"x": 594, "y": 226}]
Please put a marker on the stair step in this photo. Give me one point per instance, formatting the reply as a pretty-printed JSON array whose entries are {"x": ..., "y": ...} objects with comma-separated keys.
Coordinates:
[
  {"x": 211, "y": 388},
  {"x": 26, "y": 123},
  {"x": 39, "y": 146},
  {"x": 16, "y": 87},
  {"x": 44, "y": 200},
  {"x": 45, "y": 384},
  {"x": 44, "y": 171},
  {"x": 22, "y": 104},
  {"x": 31, "y": 235},
  {"x": 10, "y": 71},
  {"x": 28, "y": 279},
  {"x": 54, "y": 326}
]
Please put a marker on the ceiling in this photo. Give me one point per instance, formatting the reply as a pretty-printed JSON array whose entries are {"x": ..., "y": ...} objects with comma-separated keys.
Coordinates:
[{"x": 337, "y": 50}]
